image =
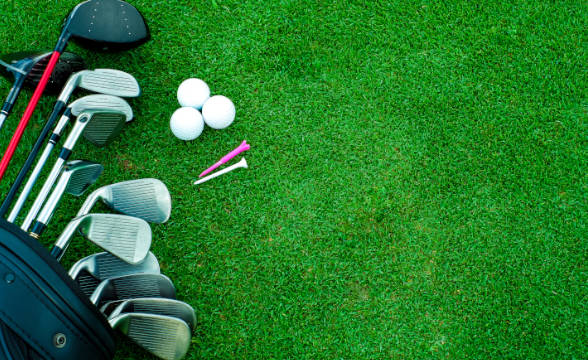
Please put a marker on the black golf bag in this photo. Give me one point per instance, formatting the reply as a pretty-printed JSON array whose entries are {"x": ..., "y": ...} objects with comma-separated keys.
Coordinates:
[{"x": 43, "y": 313}]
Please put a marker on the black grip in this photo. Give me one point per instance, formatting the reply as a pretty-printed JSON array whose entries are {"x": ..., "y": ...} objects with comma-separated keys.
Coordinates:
[
  {"x": 14, "y": 92},
  {"x": 38, "y": 229},
  {"x": 57, "y": 110},
  {"x": 57, "y": 252},
  {"x": 65, "y": 153},
  {"x": 6, "y": 108}
]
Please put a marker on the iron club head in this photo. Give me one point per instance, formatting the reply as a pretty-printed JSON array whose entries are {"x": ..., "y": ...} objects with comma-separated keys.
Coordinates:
[
  {"x": 158, "y": 306},
  {"x": 148, "y": 199},
  {"x": 91, "y": 270},
  {"x": 125, "y": 237},
  {"x": 133, "y": 286},
  {"x": 103, "y": 103},
  {"x": 103, "y": 81},
  {"x": 164, "y": 336}
]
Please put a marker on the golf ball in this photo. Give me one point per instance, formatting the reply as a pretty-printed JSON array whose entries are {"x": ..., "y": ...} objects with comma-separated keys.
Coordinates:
[
  {"x": 186, "y": 123},
  {"x": 218, "y": 112},
  {"x": 193, "y": 92}
]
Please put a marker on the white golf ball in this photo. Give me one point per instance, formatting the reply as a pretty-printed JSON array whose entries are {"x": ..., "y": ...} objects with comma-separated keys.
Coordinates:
[
  {"x": 193, "y": 92},
  {"x": 186, "y": 123},
  {"x": 218, "y": 112}
]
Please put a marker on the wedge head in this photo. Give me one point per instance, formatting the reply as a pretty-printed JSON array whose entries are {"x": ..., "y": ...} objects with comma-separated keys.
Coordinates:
[
  {"x": 164, "y": 336},
  {"x": 80, "y": 175},
  {"x": 101, "y": 102},
  {"x": 104, "y": 126},
  {"x": 106, "y": 25},
  {"x": 133, "y": 286},
  {"x": 157, "y": 306},
  {"x": 148, "y": 199},
  {"x": 91, "y": 270}
]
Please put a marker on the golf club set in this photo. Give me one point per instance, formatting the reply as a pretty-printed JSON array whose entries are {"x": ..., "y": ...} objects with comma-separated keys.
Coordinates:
[{"x": 45, "y": 312}]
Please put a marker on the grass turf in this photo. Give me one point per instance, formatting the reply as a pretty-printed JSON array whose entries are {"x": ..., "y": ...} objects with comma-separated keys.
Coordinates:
[{"x": 418, "y": 173}]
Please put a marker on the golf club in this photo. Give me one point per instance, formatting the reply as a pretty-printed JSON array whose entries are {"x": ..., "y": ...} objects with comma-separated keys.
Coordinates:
[
  {"x": 105, "y": 81},
  {"x": 157, "y": 306},
  {"x": 133, "y": 286},
  {"x": 77, "y": 176},
  {"x": 26, "y": 68},
  {"x": 91, "y": 270},
  {"x": 98, "y": 127},
  {"x": 102, "y": 24},
  {"x": 90, "y": 102},
  {"x": 125, "y": 237},
  {"x": 164, "y": 336},
  {"x": 147, "y": 199}
]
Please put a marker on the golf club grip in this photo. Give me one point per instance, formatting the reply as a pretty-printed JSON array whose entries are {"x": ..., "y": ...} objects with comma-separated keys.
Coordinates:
[
  {"x": 11, "y": 99},
  {"x": 59, "y": 106},
  {"x": 57, "y": 252},
  {"x": 13, "y": 94},
  {"x": 24, "y": 121},
  {"x": 38, "y": 229}
]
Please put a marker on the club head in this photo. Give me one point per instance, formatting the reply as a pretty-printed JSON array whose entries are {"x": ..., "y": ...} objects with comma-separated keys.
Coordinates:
[
  {"x": 76, "y": 177},
  {"x": 164, "y": 336},
  {"x": 133, "y": 286},
  {"x": 125, "y": 237},
  {"x": 148, "y": 199},
  {"x": 91, "y": 270},
  {"x": 106, "y": 25},
  {"x": 101, "y": 102},
  {"x": 101, "y": 126},
  {"x": 157, "y": 306},
  {"x": 106, "y": 81},
  {"x": 33, "y": 64},
  {"x": 79, "y": 175}
]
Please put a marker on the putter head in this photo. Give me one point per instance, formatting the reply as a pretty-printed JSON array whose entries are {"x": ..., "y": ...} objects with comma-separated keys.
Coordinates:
[
  {"x": 101, "y": 102},
  {"x": 91, "y": 270},
  {"x": 125, "y": 237},
  {"x": 164, "y": 336},
  {"x": 103, "y": 126},
  {"x": 148, "y": 199},
  {"x": 80, "y": 175},
  {"x": 33, "y": 64},
  {"x": 157, "y": 306},
  {"x": 106, "y": 25},
  {"x": 133, "y": 286}
]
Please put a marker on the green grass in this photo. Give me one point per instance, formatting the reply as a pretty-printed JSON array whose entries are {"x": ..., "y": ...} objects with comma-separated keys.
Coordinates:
[{"x": 417, "y": 187}]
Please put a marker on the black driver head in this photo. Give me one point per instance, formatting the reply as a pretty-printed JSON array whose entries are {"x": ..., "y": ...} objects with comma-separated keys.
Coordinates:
[
  {"x": 106, "y": 25},
  {"x": 33, "y": 64}
]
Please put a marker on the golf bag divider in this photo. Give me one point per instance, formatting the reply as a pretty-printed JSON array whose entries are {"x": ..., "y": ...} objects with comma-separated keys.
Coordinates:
[{"x": 45, "y": 311}]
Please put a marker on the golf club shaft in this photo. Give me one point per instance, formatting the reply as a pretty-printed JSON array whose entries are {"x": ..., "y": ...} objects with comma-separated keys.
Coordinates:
[
  {"x": 29, "y": 185},
  {"x": 11, "y": 98},
  {"x": 38, "y": 167},
  {"x": 28, "y": 113},
  {"x": 65, "y": 153},
  {"x": 43, "y": 194},
  {"x": 47, "y": 212}
]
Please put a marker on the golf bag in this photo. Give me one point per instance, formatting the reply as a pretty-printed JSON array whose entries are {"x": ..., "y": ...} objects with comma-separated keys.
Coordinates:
[{"x": 43, "y": 313}]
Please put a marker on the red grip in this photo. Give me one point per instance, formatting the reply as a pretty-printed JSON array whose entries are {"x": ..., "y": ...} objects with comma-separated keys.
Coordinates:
[{"x": 24, "y": 121}]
